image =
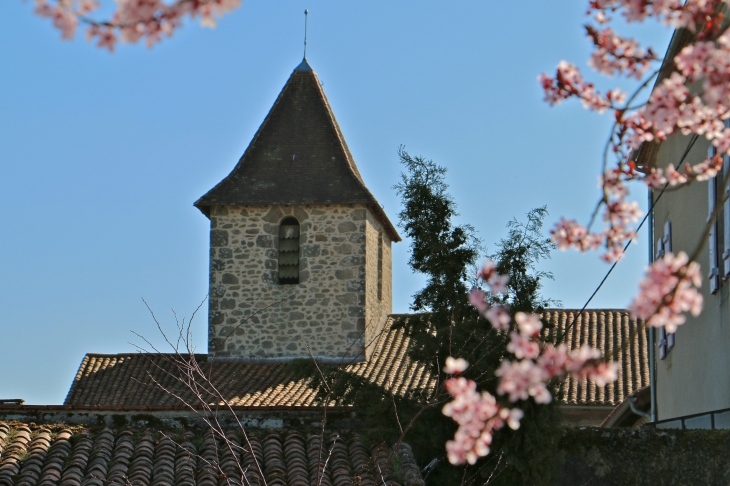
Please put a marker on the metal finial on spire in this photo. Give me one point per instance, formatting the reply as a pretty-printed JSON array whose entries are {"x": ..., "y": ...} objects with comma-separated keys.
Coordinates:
[{"x": 306, "y": 16}]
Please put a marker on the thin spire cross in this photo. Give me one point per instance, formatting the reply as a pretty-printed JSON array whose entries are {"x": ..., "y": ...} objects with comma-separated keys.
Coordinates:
[{"x": 306, "y": 16}]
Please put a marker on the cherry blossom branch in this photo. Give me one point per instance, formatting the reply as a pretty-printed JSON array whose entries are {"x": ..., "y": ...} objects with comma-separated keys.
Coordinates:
[
  {"x": 670, "y": 288},
  {"x": 132, "y": 20},
  {"x": 523, "y": 377}
]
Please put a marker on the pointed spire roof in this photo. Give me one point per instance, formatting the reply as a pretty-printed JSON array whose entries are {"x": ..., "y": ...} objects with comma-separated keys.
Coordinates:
[{"x": 298, "y": 156}]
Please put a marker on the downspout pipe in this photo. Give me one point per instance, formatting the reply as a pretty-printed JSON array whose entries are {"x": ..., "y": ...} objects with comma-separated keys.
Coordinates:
[
  {"x": 632, "y": 404},
  {"x": 652, "y": 330}
]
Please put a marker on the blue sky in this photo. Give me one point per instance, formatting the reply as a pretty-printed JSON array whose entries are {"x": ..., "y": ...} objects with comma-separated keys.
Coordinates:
[{"x": 102, "y": 156}]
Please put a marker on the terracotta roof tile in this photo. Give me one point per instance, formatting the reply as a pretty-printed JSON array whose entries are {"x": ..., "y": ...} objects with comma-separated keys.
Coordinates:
[
  {"x": 32, "y": 456},
  {"x": 126, "y": 380},
  {"x": 605, "y": 329}
]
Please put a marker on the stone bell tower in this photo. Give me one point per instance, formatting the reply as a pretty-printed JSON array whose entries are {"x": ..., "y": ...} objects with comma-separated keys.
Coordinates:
[{"x": 300, "y": 250}]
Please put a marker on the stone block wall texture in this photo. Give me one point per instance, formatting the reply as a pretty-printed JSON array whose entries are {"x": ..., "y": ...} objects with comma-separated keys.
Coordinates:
[
  {"x": 252, "y": 315},
  {"x": 378, "y": 273},
  {"x": 644, "y": 456}
]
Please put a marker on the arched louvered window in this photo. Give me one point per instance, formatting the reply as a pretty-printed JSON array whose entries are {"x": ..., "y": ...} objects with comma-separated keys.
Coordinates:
[{"x": 289, "y": 251}]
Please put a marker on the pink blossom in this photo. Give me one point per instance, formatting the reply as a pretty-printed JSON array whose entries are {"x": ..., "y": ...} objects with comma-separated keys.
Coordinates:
[
  {"x": 87, "y": 6},
  {"x": 455, "y": 366},
  {"x": 528, "y": 324},
  {"x": 568, "y": 82},
  {"x": 523, "y": 346},
  {"x": 616, "y": 55},
  {"x": 707, "y": 169},
  {"x": 569, "y": 234},
  {"x": 132, "y": 20},
  {"x": 674, "y": 177},
  {"x": 614, "y": 254},
  {"x": 611, "y": 182},
  {"x": 498, "y": 317},
  {"x": 669, "y": 290},
  {"x": 601, "y": 373},
  {"x": 522, "y": 379},
  {"x": 512, "y": 417},
  {"x": 477, "y": 299},
  {"x": 553, "y": 360},
  {"x": 478, "y": 415},
  {"x": 655, "y": 178},
  {"x": 621, "y": 212},
  {"x": 64, "y": 19},
  {"x": 497, "y": 282}
]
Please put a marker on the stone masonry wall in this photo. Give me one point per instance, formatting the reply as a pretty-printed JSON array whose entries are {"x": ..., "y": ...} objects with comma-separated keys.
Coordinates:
[
  {"x": 377, "y": 304},
  {"x": 251, "y": 315}
]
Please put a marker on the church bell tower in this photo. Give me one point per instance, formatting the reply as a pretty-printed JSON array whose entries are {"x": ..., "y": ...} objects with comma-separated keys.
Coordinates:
[{"x": 300, "y": 250}]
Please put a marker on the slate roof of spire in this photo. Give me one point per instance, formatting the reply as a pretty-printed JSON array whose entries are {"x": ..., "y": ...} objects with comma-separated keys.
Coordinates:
[
  {"x": 128, "y": 380},
  {"x": 298, "y": 156}
]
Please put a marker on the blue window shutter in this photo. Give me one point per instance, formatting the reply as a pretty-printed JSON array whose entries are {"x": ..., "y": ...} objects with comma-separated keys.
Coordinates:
[
  {"x": 662, "y": 343},
  {"x": 667, "y": 241},
  {"x": 660, "y": 251},
  {"x": 726, "y": 216},
  {"x": 714, "y": 272},
  {"x": 667, "y": 238},
  {"x": 659, "y": 254}
]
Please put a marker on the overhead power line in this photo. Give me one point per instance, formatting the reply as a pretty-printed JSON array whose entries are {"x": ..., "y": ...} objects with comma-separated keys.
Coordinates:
[{"x": 638, "y": 228}]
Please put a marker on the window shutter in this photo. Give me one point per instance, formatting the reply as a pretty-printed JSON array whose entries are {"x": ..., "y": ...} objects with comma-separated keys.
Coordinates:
[
  {"x": 667, "y": 238},
  {"x": 289, "y": 251},
  {"x": 711, "y": 201},
  {"x": 663, "y": 246},
  {"x": 667, "y": 244},
  {"x": 662, "y": 343},
  {"x": 659, "y": 249},
  {"x": 726, "y": 217}
]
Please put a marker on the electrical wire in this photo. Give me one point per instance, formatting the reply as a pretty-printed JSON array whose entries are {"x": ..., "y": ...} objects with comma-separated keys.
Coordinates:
[{"x": 638, "y": 228}]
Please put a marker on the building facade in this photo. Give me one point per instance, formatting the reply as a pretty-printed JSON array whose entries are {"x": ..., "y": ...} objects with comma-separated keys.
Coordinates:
[{"x": 691, "y": 364}]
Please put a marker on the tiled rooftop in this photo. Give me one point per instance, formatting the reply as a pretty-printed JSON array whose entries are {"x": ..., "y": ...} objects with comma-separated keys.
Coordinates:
[
  {"x": 126, "y": 379},
  {"x": 605, "y": 329},
  {"x": 33, "y": 455}
]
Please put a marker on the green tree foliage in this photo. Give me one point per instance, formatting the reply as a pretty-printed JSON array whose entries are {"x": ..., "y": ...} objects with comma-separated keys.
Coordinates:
[
  {"x": 444, "y": 324},
  {"x": 517, "y": 256}
]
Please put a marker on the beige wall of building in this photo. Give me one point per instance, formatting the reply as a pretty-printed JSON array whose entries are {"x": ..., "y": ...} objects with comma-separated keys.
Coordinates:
[
  {"x": 693, "y": 377},
  {"x": 326, "y": 313}
]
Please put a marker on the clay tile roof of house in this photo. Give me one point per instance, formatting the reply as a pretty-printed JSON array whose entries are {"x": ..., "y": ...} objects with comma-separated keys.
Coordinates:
[
  {"x": 297, "y": 156},
  {"x": 53, "y": 454},
  {"x": 606, "y": 330},
  {"x": 130, "y": 380}
]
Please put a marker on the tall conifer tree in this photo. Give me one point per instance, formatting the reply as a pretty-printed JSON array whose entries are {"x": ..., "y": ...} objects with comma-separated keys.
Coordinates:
[{"x": 444, "y": 324}]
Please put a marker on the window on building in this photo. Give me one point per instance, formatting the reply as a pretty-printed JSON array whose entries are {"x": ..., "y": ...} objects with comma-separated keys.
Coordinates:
[
  {"x": 719, "y": 238},
  {"x": 380, "y": 265},
  {"x": 714, "y": 270},
  {"x": 663, "y": 246},
  {"x": 725, "y": 219},
  {"x": 289, "y": 251}
]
